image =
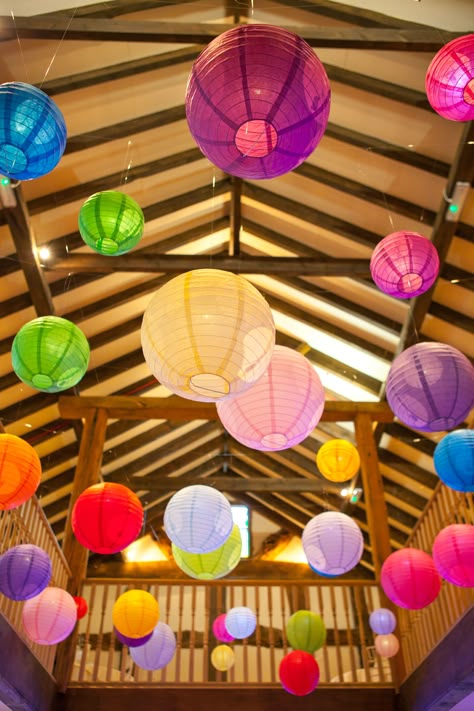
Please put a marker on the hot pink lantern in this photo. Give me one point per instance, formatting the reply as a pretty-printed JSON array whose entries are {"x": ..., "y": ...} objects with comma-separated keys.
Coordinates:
[
  {"x": 453, "y": 554},
  {"x": 409, "y": 578},
  {"x": 257, "y": 101},
  {"x": 279, "y": 410},
  {"x": 404, "y": 264},
  {"x": 450, "y": 80},
  {"x": 219, "y": 630},
  {"x": 49, "y": 617}
]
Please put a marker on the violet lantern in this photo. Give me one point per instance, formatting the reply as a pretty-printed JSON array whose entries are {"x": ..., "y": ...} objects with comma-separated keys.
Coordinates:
[
  {"x": 25, "y": 571},
  {"x": 450, "y": 80},
  {"x": 333, "y": 543}
]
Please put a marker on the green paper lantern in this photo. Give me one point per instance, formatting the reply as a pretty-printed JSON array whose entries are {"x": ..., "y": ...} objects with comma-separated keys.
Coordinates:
[
  {"x": 111, "y": 222},
  {"x": 306, "y": 631},
  {"x": 213, "y": 565},
  {"x": 50, "y": 354}
]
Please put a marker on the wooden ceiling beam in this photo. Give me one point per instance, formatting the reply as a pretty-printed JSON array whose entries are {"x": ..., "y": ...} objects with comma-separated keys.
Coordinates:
[
  {"x": 111, "y": 8},
  {"x": 348, "y": 13},
  {"x": 235, "y": 217},
  {"x": 228, "y": 484}
]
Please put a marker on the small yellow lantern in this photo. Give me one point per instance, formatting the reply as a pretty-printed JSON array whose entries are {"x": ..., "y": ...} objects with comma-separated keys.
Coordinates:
[
  {"x": 338, "y": 460},
  {"x": 222, "y": 657}
]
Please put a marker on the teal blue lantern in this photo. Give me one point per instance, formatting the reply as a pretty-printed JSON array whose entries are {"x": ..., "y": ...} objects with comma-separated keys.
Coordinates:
[{"x": 111, "y": 222}]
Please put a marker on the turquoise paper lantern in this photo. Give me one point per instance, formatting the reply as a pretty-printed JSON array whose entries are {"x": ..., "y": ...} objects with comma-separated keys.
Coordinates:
[
  {"x": 111, "y": 222},
  {"x": 454, "y": 460}
]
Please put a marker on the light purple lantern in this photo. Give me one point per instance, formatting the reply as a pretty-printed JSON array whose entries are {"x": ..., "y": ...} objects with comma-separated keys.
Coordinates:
[
  {"x": 382, "y": 621},
  {"x": 132, "y": 641},
  {"x": 25, "y": 571},
  {"x": 450, "y": 80},
  {"x": 240, "y": 622},
  {"x": 49, "y": 617},
  {"x": 430, "y": 387},
  {"x": 257, "y": 101},
  {"x": 332, "y": 542},
  {"x": 158, "y": 651},
  {"x": 281, "y": 409},
  {"x": 404, "y": 264}
]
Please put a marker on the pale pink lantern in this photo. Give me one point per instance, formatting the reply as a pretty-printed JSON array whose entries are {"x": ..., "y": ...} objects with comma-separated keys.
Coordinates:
[
  {"x": 453, "y": 554},
  {"x": 50, "y": 617},
  {"x": 387, "y": 645},
  {"x": 281, "y": 409},
  {"x": 450, "y": 80}
]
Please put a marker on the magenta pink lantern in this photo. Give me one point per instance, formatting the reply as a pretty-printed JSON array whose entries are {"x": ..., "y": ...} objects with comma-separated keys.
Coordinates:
[
  {"x": 450, "y": 80},
  {"x": 409, "y": 578},
  {"x": 257, "y": 101},
  {"x": 453, "y": 554},
  {"x": 49, "y": 617},
  {"x": 404, "y": 264},
  {"x": 219, "y": 630},
  {"x": 281, "y": 409}
]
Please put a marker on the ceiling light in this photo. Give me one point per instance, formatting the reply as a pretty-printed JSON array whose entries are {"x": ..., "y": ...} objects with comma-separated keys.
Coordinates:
[{"x": 44, "y": 253}]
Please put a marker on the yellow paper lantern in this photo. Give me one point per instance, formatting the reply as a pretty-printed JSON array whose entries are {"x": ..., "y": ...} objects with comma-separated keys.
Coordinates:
[
  {"x": 208, "y": 334},
  {"x": 213, "y": 565},
  {"x": 20, "y": 471},
  {"x": 135, "y": 613},
  {"x": 338, "y": 460},
  {"x": 222, "y": 657}
]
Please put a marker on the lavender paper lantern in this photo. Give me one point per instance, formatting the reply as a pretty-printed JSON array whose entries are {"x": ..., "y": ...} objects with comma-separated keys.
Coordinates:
[
  {"x": 49, "y": 617},
  {"x": 404, "y": 264},
  {"x": 409, "y": 578},
  {"x": 132, "y": 641},
  {"x": 332, "y": 542},
  {"x": 257, "y": 101},
  {"x": 240, "y": 622},
  {"x": 25, "y": 571},
  {"x": 158, "y": 651},
  {"x": 450, "y": 80},
  {"x": 382, "y": 621},
  {"x": 454, "y": 460},
  {"x": 430, "y": 387},
  {"x": 453, "y": 554},
  {"x": 281, "y": 409}
]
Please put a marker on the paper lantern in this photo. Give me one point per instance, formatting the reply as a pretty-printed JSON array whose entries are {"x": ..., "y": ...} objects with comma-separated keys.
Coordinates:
[
  {"x": 281, "y": 409},
  {"x": 107, "y": 517},
  {"x": 257, "y": 101},
  {"x": 338, "y": 460},
  {"x": 111, "y": 222},
  {"x": 213, "y": 565},
  {"x": 240, "y": 622},
  {"x": 409, "y": 578},
  {"x": 208, "y": 334},
  {"x": 49, "y": 617},
  {"x": 219, "y": 630},
  {"x": 387, "y": 645},
  {"x": 32, "y": 132},
  {"x": 135, "y": 613},
  {"x": 430, "y": 387},
  {"x": 299, "y": 673},
  {"x": 222, "y": 657},
  {"x": 198, "y": 519},
  {"x": 404, "y": 264},
  {"x": 454, "y": 460},
  {"x": 305, "y": 630},
  {"x": 50, "y": 354},
  {"x": 158, "y": 651},
  {"x": 450, "y": 80},
  {"x": 132, "y": 641},
  {"x": 81, "y": 606},
  {"x": 382, "y": 621},
  {"x": 20, "y": 471},
  {"x": 332, "y": 542},
  {"x": 453, "y": 554},
  {"x": 25, "y": 571}
]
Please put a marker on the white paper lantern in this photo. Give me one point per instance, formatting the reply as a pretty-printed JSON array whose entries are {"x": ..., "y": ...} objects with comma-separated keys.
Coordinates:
[
  {"x": 240, "y": 622},
  {"x": 333, "y": 543},
  {"x": 158, "y": 651},
  {"x": 49, "y": 617},
  {"x": 387, "y": 645}
]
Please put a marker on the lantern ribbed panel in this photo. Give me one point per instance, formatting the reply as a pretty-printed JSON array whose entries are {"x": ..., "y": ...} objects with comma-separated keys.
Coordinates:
[
  {"x": 49, "y": 617},
  {"x": 332, "y": 542},
  {"x": 305, "y": 630},
  {"x": 382, "y": 621},
  {"x": 454, "y": 460},
  {"x": 219, "y": 630},
  {"x": 338, "y": 460},
  {"x": 409, "y": 578},
  {"x": 198, "y": 519},
  {"x": 50, "y": 354},
  {"x": 25, "y": 571},
  {"x": 430, "y": 387},
  {"x": 213, "y": 565},
  {"x": 404, "y": 264},
  {"x": 299, "y": 673},
  {"x": 240, "y": 622},
  {"x": 450, "y": 80},
  {"x": 20, "y": 471},
  {"x": 158, "y": 651},
  {"x": 111, "y": 222},
  {"x": 107, "y": 517},
  {"x": 281, "y": 409},
  {"x": 32, "y": 132},
  {"x": 257, "y": 101},
  {"x": 208, "y": 334},
  {"x": 387, "y": 645},
  {"x": 222, "y": 657},
  {"x": 135, "y": 613},
  {"x": 453, "y": 554},
  {"x": 132, "y": 641}
]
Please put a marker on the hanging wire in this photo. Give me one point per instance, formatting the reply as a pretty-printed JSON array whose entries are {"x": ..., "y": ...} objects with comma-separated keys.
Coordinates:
[{"x": 58, "y": 47}]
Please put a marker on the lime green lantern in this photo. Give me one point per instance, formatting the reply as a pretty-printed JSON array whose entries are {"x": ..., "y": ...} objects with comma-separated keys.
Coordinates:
[
  {"x": 50, "y": 354},
  {"x": 213, "y": 565},
  {"x": 306, "y": 631},
  {"x": 111, "y": 222}
]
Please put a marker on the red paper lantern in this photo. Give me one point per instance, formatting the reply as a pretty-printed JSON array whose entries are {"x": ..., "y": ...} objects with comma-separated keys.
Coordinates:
[
  {"x": 299, "y": 673},
  {"x": 20, "y": 471},
  {"x": 106, "y": 518},
  {"x": 453, "y": 554},
  {"x": 82, "y": 607},
  {"x": 410, "y": 579}
]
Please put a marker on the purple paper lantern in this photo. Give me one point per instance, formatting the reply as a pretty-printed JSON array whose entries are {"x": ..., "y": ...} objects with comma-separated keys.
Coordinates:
[
  {"x": 404, "y": 264},
  {"x": 430, "y": 387},
  {"x": 450, "y": 80},
  {"x": 332, "y": 542},
  {"x": 219, "y": 630},
  {"x": 382, "y": 621},
  {"x": 257, "y": 101},
  {"x": 158, "y": 651},
  {"x": 25, "y": 571},
  {"x": 132, "y": 641}
]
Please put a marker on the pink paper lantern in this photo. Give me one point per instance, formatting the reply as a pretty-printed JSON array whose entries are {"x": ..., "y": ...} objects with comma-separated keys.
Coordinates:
[
  {"x": 281, "y": 409},
  {"x": 404, "y": 264},
  {"x": 409, "y": 578},
  {"x": 450, "y": 80},
  {"x": 49, "y": 617},
  {"x": 453, "y": 554},
  {"x": 387, "y": 645},
  {"x": 219, "y": 630}
]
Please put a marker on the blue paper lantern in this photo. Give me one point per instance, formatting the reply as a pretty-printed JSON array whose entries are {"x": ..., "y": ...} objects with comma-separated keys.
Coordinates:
[
  {"x": 32, "y": 132},
  {"x": 454, "y": 460},
  {"x": 25, "y": 571}
]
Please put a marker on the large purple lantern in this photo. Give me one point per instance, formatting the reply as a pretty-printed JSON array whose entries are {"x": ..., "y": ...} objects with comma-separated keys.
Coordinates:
[
  {"x": 430, "y": 387},
  {"x": 257, "y": 101},
  {"x": 450, "y": 80},
  {"x": 25, "y": 571},
  {"x": 132, "y": 641}
]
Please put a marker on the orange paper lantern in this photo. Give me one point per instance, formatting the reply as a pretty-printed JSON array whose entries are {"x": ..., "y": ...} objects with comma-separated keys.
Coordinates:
[
  {"x": 20, "y": 471},
  {"x": 338, "y": 460}
]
